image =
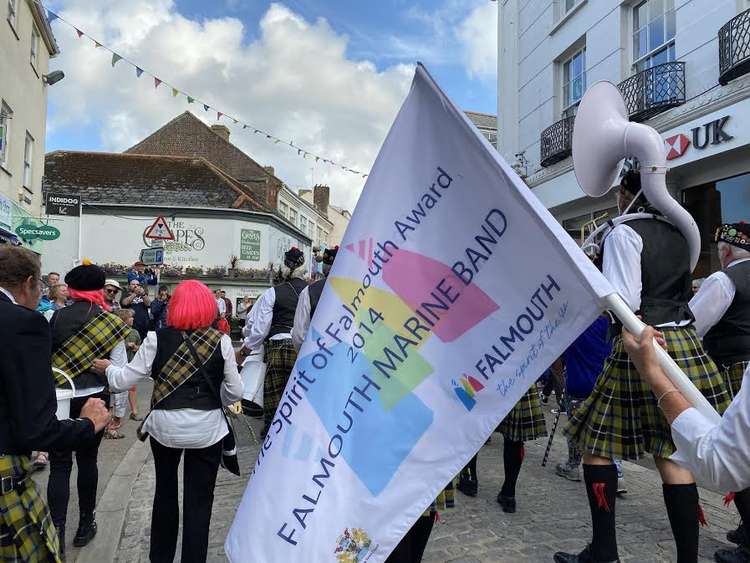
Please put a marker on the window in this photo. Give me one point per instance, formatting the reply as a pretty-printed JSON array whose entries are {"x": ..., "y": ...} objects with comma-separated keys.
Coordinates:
[
  {"x": 574, "y": 82},
  {"x": 569, "y": 5},
  {"x": 320, "y": 235},
  {"x": 293, "y": 216},
  {"x": 303, "y": 223},
  {"x": 12, "y": 12},
  {"x": 34, "y": 46},
  {"x": 284, "y": 208},
  {"x": 5, "y": 116},
  {"x": 28, "y": 164},
  {"x": 653, "y": 33}
]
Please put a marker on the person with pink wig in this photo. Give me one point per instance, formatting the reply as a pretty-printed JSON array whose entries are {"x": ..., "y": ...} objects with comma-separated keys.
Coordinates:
[{"x": 195, "y": 374}]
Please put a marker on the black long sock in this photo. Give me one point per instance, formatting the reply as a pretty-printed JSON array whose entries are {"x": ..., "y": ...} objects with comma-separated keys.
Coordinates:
[
  {"x": 471, "y": 468},
  {"x": 683, "y": 511},
  {"x": 742, "y": 502},
  {"x": 512, "y": 460},
  {"x": 601, "y": 488}
]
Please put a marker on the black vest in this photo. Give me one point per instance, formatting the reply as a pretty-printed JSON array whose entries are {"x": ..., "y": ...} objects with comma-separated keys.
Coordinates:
[
  {"x": 195, "y": 392},
  {"x": 285, "y": 304},
  {"x": 315, "y": 290},
  {"x": 65, "y": 323},
  {"x": 665, "y": 272},
  {"x": 728, "y": 341}
]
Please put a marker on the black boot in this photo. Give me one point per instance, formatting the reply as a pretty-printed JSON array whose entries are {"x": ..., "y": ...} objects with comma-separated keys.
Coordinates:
[
  {"x": 739, "y": 536},
  {"x": 86, "y": 530},
  {"x": 736, "y": 555},
  {"x": 467, "y": 485},
  {"x": 684, "y": 514},
  {"x": 513, "y": 454},
  {"x": 583, "y": 557}
]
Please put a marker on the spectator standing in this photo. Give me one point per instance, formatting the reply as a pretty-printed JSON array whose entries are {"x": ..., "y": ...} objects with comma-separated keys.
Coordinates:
[
  {"x": 228, "y": 303},
  {"x": 159, "y": 308},
  {"x": 111, "y": 289},
  {"x": 144, "y": 275},
  {"x": 138, "y": 300}
]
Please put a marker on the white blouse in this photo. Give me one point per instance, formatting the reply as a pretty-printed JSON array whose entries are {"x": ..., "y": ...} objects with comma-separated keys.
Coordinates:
[{"x": 180, "y": 428}]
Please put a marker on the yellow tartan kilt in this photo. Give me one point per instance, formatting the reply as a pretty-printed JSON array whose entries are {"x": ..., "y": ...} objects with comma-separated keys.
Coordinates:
[
  {"x": 525, "y": 422},
  {"x": 733, "y": 376},
  {"x": 26, "y": 531}
]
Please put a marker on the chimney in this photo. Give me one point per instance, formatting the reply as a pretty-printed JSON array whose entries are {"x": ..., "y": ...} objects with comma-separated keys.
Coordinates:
[
  {"x": 270, "y": 170},
  {"x": 221, "y": 130},
  {"x": 321, "y": 198}
]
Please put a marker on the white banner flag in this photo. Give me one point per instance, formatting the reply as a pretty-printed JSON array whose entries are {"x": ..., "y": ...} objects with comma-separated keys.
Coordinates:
[{"x": 454, "y": 289}]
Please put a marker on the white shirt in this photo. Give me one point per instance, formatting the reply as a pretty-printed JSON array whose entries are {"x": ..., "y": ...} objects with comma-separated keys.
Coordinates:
[
  {"x": 622, "y": 266},
  {"x": 222, "y": 306},
  {"x": 301, "y": 319},
  {"x": 9, "y": 295},
  {"x": 180, "y": 428},
  {"x": 717, "y": 454},
  {"x": 261, "y": 318},
  {"x": 713, "y": 299}
]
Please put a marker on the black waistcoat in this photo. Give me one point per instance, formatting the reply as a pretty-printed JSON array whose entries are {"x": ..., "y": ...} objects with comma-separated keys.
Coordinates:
[
  {"x": 285, "y": 304},
  {"x": 665, "y": 272},
  {"x": 315, "y": 290},
  {"x": 728, "y": 341},
  {"x": 195, "y": 392},
  {"x": 65, "y": 323}
]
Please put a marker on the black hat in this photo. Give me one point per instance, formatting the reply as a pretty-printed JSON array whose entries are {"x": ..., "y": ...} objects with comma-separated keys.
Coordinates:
[
  {"x": 86, "y": 277},
  {"x": 329, "y": 255},
  {"x": 736, "y": 234},
  {"x": 293, "y": 258},
  {"x": 631, "y": 182}
]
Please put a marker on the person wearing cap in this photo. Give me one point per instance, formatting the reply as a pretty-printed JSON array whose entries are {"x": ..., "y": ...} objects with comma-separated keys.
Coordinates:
[
  {"x": 271, "y": 321},
  {"x": 28, "y": 411},
  {"x": 722, "y": 318},
  {"x": 81, "y": 333},
  {"x": 111, "y": 290},
  {"x": 142, "y": 275},
  {"x": 309, "y": 298},
  {"x": 647, "y": 260}
]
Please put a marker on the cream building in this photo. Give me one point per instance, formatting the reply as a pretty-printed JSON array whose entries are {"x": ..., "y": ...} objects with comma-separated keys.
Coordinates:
[
  {"x": 337, "y": 216},
  {"x": 26, "y": 46},
  {"x": 309, "y": 215}
]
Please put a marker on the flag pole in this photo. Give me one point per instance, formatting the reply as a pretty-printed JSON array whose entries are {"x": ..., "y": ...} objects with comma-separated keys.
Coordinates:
[{"x": 620, "y": 309}]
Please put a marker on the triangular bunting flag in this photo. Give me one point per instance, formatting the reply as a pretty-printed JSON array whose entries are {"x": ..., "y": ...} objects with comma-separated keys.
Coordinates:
[
  {"x": 190, "y": 100},
  {"x": 115, "y": 58},
  {"x": 268, "y": 136},
  {"x": 277, "y": 141},
  {"x": 51, "y": 16},
  {"x": 317, "y": 158},
  {"x": 256, "y": 132},
  {"x": 138, "y": 72},
  {"x": 235, "y": 121},
  {"x": 218, "y": 115},
  {"x": 175, "y": 91},
  {"x": 96, "y": 44},
  {"x": 79, "y": 32},
  {"x": 156, "y": 82},
  {"x": 299, "y": 152},
  {"x": 244, "y": 126},
  {"x": 205, "y": 107}
]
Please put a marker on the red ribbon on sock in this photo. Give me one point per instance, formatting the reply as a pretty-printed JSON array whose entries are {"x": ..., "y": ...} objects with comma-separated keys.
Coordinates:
[
  {"x": 702, "y": 516},
  {"x": 522, "y": 454},
  {"x": 600, "y": 494},
  {"x": 729, "y": 499}
]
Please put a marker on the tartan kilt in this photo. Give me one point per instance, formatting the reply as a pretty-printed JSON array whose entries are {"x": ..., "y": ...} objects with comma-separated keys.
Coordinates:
[
  {"x": 444, "y": 501},
  {"x": 620, "y": 418},
  {"x": 733, "y": 376},
  {"x": 526, "y": 420},
  {"x": 280, "y": 356},
  {"x": 26, "y": 531}
]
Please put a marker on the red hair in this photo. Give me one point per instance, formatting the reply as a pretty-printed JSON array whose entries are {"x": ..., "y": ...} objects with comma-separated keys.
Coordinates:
[
  {"x": 192, "y": 306},
  {"x": 95, "y": 296}
]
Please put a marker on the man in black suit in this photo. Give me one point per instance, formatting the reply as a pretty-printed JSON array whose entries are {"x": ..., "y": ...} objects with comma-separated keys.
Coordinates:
[{"x": 27, "y": 411}]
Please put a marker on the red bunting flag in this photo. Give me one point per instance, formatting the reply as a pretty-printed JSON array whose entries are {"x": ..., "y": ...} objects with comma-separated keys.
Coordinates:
[
  {"x": 79, "y": 32},
  {"x": 218, "y": 115},
  {"x": 156, "y": 82}
]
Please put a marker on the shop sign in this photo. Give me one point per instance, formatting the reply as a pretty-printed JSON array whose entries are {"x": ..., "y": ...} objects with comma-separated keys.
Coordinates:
[
  {"x": 63, "y": 204},
  {"x": 6, "y": 212},
  {"x": 709, "y": 133},
  {"x": 250, "y": 245},
  {"x": 28, "y": 231}
]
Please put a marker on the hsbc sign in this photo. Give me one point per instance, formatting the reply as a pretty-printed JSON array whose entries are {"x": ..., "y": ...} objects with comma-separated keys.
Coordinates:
[{"x": 702, "y": 136}]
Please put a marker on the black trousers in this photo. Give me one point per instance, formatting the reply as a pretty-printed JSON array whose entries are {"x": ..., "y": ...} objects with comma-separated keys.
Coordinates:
[
  {"x": 411, "y": 547},
  {"x": 200, "y": 469},
  {"x": 61, "y": 465}
]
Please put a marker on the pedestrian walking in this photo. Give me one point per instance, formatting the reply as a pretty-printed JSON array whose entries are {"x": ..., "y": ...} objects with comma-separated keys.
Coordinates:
[
  {"x": 27, "y": 412},
  {"x": 186, "y": 418},
  {"x": 81, "y": 333}
]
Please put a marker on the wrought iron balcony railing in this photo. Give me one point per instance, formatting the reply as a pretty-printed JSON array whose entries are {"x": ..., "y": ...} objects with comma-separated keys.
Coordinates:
[
  {"x": 654, "y": 90},
  {"x": 557, "y": 141},
  {"x": 734, "y": 48}
]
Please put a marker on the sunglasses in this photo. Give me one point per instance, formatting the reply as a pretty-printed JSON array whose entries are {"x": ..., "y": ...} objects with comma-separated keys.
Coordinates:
[{"x": 111, "y": 291}]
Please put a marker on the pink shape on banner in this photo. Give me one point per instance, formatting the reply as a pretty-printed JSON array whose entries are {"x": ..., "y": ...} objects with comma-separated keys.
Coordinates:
[
  {"x": 414, "y": 276},
  {"x": 364, "y": 249}
]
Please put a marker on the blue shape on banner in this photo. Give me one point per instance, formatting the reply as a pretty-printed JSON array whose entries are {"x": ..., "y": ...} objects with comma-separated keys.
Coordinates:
[{"x": 379, "y": 441}]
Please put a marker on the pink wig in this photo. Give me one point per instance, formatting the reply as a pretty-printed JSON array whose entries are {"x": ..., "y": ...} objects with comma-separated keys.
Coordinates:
[{"x": 192, "y": 306}]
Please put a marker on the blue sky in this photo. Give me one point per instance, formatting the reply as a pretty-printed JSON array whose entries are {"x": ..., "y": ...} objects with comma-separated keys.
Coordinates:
[{"x": 328, "y": 75}]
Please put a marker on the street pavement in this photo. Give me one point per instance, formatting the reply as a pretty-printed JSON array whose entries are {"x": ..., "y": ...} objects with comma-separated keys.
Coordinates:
[{"x": 552, "y": 514}]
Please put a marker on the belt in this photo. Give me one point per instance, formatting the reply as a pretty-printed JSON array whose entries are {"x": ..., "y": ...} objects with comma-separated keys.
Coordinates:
[{"x": 10, "y": 484}]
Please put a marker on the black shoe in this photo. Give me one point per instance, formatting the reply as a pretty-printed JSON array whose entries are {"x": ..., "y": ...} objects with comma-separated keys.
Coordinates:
[
  {"x": 583, "y": 557},
  {"x": 507, "y": 503},
  {"x": 735, "y": 555},
  {"x": 739, "y": 536},
  {"x": 86, "y": 531},
  {"x": 468, "y": 486}
]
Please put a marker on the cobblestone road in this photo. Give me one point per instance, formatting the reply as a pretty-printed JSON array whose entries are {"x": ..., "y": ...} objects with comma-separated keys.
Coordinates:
[{"x": 552, "y": 515}]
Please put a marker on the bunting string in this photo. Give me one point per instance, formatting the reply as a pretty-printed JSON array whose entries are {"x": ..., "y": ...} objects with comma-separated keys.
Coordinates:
[{"x": 139, "y": 71}]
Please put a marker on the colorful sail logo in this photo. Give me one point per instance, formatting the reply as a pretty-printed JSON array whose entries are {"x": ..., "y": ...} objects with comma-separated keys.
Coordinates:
[{"x": 468, "y": 388}]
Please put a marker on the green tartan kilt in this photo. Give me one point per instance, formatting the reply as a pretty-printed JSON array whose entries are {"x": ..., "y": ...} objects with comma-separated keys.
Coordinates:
[
  {"x": 733, "y": 376},
  {"x": 620, "y": 418},
  {"x": 26, "y": 531},
  {"x": 526, "y": 420},
  {"x": 444, "y": 501},
  {"x": 280, "y": 356}
]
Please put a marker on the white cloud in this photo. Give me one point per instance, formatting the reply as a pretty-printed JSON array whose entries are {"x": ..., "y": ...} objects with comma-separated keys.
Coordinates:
[
  {"x": 478, "y": 36},
  {"x": 294, "y": 80}
]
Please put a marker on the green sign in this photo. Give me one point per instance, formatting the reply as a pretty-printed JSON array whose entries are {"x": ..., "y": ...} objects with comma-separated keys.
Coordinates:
[
  {"x": 250, "y": 245},
  {"x": 30, "y": 232}
]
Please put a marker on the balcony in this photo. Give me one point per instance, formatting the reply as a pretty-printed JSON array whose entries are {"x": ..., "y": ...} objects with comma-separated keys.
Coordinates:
[
  {"x": 654, "y": 90},
  {"x": 557, "y": 141},
  {"x": 734, "y": 48}
]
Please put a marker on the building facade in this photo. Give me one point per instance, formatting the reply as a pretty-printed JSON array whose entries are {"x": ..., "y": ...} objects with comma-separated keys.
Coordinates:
[
  {"x": 308, "y": 214},
  {"x": 26, "y": 46},
  {"x": 680, "y": 65}
]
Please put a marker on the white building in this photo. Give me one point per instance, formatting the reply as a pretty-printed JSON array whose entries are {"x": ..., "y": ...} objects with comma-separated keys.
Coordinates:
[
  {"x": 310, "y": 217},
  {"x": 681, "y": 66},
  {"x": 26, "y": 45},
  {"x": 339, "y": 217}
]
